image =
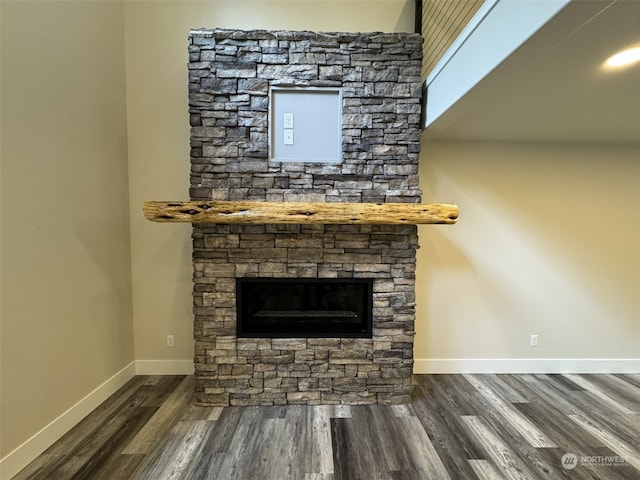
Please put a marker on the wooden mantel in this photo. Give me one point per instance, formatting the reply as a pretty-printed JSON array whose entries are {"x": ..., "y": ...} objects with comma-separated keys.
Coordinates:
[{"x": 301, "y": 212}]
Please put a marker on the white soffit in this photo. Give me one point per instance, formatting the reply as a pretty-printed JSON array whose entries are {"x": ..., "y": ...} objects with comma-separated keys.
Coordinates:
[
  {"x": 493, "y": 34},
  {"x": 551, "y": 88}
]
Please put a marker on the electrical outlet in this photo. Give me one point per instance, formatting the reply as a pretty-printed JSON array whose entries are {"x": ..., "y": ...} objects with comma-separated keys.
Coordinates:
[
  {"x": 533, "y": 340},
  {"x": 171, "y": 341}
]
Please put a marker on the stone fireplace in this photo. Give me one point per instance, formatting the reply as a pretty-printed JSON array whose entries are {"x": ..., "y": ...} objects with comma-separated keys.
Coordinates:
[{"x": 231, "y": 73}]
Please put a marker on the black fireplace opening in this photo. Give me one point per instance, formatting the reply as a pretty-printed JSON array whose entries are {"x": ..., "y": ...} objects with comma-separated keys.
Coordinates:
[{"x": 304, "y": 307}]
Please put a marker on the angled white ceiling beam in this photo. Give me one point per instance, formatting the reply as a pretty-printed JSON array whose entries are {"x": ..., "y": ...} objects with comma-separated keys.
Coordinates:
[{"x": 497, "y": 30}]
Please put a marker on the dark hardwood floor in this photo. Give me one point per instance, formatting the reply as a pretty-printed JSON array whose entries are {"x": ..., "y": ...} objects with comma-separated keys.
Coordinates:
[{"x": 458, "y": 427}]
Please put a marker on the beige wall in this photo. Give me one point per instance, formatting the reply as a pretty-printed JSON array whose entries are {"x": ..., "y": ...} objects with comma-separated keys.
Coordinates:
[
  {"x": 66, "y": 293},
  {"x": 156, "y": 56},
  {"x": 546, "y": 243}
]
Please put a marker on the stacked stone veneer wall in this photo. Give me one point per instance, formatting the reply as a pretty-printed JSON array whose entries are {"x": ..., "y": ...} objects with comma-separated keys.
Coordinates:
[{"x": 230, "y": 74}]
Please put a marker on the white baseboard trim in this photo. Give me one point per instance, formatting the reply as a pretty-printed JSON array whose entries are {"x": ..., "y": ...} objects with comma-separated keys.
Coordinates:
[
  {"x": 526, "y": 365},
  {"x": 164, "y": 367},
  {"x": 19, "y": 458}
]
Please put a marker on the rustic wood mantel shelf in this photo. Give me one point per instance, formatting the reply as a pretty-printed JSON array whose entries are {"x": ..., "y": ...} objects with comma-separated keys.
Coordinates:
[{"x": 242, "y": 212}]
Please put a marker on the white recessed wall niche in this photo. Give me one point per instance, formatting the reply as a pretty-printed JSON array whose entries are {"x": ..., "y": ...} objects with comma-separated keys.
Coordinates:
[{"x": 305, "y": 125}]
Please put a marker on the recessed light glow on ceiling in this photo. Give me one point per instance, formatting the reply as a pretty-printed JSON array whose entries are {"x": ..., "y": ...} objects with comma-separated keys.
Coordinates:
[{"x": 623, "y": 58}]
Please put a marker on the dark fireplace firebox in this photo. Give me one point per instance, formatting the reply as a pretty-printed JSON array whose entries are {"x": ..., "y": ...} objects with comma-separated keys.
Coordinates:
[{"x": 304, "y": 307}]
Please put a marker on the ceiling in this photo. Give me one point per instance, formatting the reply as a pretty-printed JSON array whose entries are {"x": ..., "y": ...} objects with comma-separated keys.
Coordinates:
[{"x": 553, "y": 88}]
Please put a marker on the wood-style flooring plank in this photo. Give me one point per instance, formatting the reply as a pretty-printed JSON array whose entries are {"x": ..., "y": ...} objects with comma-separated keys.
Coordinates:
[
  {"x": 176, "y": 403},
  {"x": 118, "y": 467},
  {"x": 179, "y": 456},
  {"x": 443, "y": 423},
  {"x": 341, "y": 411},
  {"x": 320, "y": 458},
  {"x": 632, "y": 378},
  {"x": 242, "y": 446},
  {"x": 296, "y": 454},
  {"x": 454, "y": 391},
  {"x": 626, "y": 427},
  {"x": 285, "y": 452},
  {"x": 511, "y": 415},
  {"x": 614, "y": 442},
  {"x": 93, "y": 449},
  {"x": 560, "y": 428},
  {"x": 266, "y": 461},
  {"x": 356, "y": 451},
  {"x": 163, "y": 386},
  {"x": 419, "y": 447},
  {"x": 202, "y": 413},
  {"x": 562, "y": 382},
  {"x": 500, "y": 453},
  {"x": 619, "y": 388},
  {"x": 344, "y": 463},
  {"x": 55, "y": 457},
  {"x": 551, "y": 410},
  {"x": 226, "y": 426},
  {"x": 319, "y": 476},
  {"x": 106, "y": 459},
  {"x": 613, "y": 403},
  {"x": 543, "y": 388},
  {"x": 391, "y": 438},
  {"x": 494, "y": 424},
  {"x": 503, "y": 388},
  {"x": 485, "y": 470},
  {"x": 584, "y": 472}
]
